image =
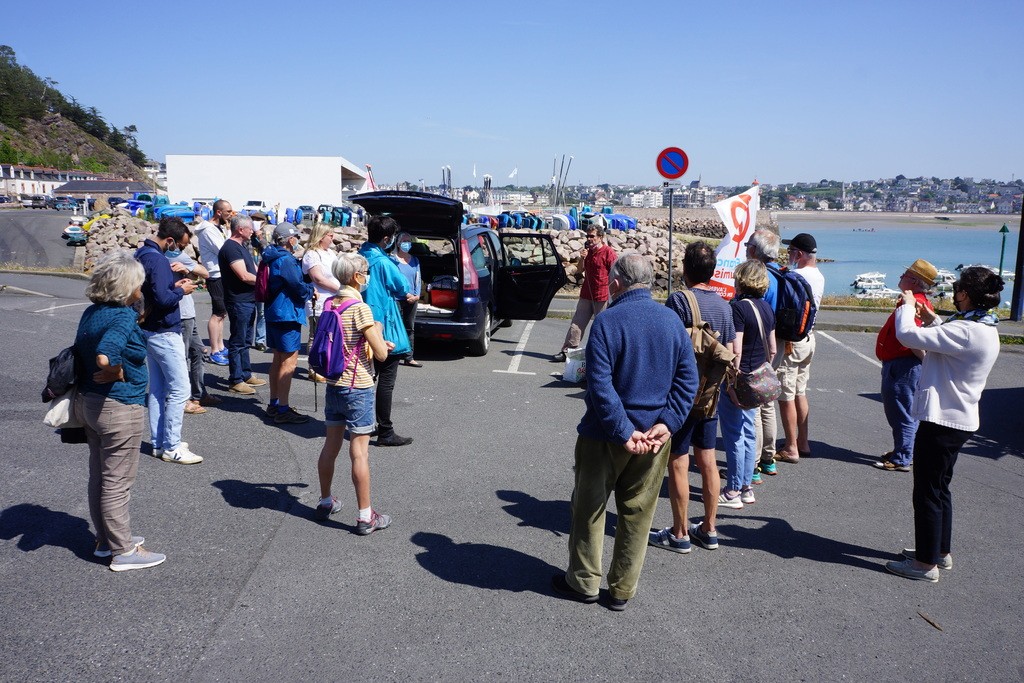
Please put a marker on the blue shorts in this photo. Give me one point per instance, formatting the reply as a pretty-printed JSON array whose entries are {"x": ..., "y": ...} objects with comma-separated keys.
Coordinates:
[
  {"x": 702, "y": 433},
  {"x": 350, "y": 408},
  {"x": 284, "y": 337}
]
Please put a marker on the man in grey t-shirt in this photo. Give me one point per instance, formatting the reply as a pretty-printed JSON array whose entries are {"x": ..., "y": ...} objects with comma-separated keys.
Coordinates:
[{"x": 182, "y": 264}]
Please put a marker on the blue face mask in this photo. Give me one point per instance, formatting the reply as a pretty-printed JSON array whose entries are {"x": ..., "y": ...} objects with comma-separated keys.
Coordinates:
[
  {"x": 391, "y": 243},
  {"x": 405, "y": 246},
  {"x": 172, "y": 253}
]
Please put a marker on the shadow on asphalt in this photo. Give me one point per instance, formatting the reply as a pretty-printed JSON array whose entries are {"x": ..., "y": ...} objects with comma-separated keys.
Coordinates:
[
  {"x": 547, "y": 515},
  {"x": 40, "y": 526},
  {"x": 271, "y": 496},
  {"x": 483, "y": 565},
  {"x": 824, "y": 451},
  {"x": 1000, "y": 432},
  {"x": 778, "y": 537},
  {"x": 250, "y": 496}
]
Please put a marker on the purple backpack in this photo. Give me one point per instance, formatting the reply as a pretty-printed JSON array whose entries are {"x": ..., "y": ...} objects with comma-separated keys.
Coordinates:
[{"x": 327, "y": 351}]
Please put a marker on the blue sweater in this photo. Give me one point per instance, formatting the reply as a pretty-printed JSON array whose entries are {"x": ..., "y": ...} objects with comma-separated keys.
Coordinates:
[
  {"x": 158, "y": 290},
  {"x": 113, "y": 331},
  {"x": 640, "y": 370},
  {"x": 287, "y": 291}
]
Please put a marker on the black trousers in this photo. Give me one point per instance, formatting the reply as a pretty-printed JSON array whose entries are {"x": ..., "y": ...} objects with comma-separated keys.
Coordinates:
[
  {"x": 935, "y": 452},
  {"x": 409, "y": 320},
  {"x": 387, "y": 373}
]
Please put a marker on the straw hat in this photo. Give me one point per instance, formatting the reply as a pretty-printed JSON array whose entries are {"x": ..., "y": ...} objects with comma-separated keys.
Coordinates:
[{"x": 925, "y": 271}]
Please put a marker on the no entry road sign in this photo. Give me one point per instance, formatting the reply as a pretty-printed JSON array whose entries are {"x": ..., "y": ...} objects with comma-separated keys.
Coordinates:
[{"x": 672, "y": 163}]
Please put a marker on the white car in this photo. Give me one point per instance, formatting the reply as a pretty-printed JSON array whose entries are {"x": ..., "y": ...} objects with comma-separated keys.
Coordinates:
[{"x": 254, "y": 205}]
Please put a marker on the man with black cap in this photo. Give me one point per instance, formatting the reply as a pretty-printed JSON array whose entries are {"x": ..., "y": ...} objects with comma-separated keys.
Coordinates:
[
  {"x": 901, "y": 369},
  {"x": 795, "y": 369},
  {"x": 285, "y": 312}
]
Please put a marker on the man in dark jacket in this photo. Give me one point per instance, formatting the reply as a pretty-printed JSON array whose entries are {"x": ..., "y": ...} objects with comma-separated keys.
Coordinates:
[
  {"x": 641, "y": 380},
  {"x": 165, "y": 350},
  {"x": 285, "y": 313}
]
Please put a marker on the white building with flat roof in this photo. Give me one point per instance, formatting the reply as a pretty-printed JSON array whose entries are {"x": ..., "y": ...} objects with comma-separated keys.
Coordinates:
[{"x": 275, "y": 180}]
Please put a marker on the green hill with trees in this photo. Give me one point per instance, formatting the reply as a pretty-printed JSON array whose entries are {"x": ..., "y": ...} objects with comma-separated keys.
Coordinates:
[{"x": 39, "y": 126}]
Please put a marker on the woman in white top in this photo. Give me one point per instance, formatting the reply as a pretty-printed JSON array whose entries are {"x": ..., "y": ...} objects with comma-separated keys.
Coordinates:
[
  {"x": 317, "y": 265},
  {"x": 959, "y": 354}
]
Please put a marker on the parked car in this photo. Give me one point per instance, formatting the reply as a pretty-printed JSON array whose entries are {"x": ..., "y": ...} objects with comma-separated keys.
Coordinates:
[
  {"x": 475, "y": 278},
  {"x": 35, "y": 201},
  {"x": 4, "y": 199},
  {"x": 254, "y": 205},
  {"x": 308, "y": 212}
]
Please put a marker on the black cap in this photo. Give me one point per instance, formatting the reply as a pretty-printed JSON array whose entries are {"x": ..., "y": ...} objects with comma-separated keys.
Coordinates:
[{"x": 803, "y": 242}]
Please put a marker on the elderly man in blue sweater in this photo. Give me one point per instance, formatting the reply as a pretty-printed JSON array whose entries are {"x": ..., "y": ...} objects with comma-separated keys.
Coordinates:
[{"x": 641, "y": 381}]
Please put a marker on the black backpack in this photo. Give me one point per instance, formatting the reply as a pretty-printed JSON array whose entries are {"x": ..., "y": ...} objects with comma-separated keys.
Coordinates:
[
  {"x": 795, "y": 310},
  {"x": 62, "y": 376}
]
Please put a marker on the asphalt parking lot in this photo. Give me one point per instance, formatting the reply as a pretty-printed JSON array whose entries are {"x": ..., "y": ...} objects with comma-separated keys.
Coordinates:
[{"x": 457, "y": 588}]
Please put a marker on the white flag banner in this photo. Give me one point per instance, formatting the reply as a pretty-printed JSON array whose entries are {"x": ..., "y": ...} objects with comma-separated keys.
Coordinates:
[
  {"x": 514, "y": 173},
  {"x": 739, "y": 213},
  {"x": 474, "y": 170}
]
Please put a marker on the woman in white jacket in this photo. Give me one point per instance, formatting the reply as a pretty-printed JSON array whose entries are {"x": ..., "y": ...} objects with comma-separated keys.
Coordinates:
[{"x": 959, "y": 355}]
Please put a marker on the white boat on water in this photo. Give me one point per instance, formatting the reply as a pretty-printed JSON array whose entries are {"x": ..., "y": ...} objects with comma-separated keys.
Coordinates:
[
  {"x": 881, "y": 293},
  {"x": 944, "y": 280},
  {"x": 1008, "y": 274},
  {"x": 869, "y": 281}
]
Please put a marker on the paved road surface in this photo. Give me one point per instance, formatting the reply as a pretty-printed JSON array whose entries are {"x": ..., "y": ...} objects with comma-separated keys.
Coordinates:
[
  {"x": 31, "y": 238},
  {"x": 457, "y": 589}
]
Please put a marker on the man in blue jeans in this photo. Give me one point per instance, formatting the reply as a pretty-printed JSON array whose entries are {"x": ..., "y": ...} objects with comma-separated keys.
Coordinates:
[
  {"x": 165, "y": 350},
  {"x": 238, "y": 273}
]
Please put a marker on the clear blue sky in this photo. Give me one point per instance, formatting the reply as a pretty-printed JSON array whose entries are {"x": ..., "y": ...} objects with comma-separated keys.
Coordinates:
[{"x": 783, "y": 91}]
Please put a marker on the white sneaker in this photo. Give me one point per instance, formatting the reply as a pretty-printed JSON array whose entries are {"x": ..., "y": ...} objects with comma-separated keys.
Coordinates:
[{"x": 181, "y": 455}]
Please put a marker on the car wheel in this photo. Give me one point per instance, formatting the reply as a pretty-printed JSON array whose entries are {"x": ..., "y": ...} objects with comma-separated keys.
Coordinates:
[{"x": 480, "y": 345}]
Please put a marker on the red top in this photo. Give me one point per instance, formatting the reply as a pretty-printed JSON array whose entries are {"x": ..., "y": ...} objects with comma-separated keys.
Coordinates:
[
  {"x": 595, "y": 273},
  {"x": 887, "y": 347}
]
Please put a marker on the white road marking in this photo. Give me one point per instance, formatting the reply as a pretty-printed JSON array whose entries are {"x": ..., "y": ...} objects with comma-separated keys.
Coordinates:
[
  {"x": 517, "y": 355},
  {"x": 51, "y": 309},
  {"x": 852, "y": 350}
]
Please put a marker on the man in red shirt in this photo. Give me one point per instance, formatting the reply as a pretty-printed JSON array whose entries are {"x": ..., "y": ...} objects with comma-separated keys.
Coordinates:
[
  {"x": 901, "y": 368},
  {"x": 597, "y": 258}
]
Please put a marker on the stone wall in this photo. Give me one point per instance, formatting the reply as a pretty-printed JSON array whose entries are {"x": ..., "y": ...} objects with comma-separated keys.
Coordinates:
[{"x": 651, "y": 238}]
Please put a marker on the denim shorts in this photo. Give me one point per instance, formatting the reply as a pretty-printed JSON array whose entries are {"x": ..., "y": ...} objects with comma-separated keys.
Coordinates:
[
  {"x": 284, "y": 337},
  {"x": 700, "y": 432},
  {"x": 350, "y": 408}
]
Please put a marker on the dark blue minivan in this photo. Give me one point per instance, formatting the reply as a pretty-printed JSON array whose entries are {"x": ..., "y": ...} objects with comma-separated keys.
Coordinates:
[{"x": 475, "y": 278}]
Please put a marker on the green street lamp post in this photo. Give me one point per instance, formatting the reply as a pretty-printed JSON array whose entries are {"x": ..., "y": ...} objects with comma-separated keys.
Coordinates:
[{"x": 1002, "y": 250}]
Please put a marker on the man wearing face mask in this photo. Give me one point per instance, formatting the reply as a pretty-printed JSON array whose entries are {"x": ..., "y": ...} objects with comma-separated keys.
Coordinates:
[
  {"x": 287, "y": 294},
  {"x": 165, "y": 350},
  {"x": 410, "y": 267},
  {"x": 386, "y": 284}
]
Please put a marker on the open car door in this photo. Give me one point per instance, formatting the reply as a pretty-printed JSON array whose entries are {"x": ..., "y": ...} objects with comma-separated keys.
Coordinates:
[{"x": 529, "y": 277}]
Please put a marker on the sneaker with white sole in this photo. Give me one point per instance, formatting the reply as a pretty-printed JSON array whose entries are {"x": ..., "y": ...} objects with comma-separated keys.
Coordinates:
[
  {"x": 140, "y": 558},
  {"x": 376, "y": 523},
  {"x": 732, "y": 502},
  {"x": 665, "y": 539},
  {"x": 945, "y": 561},
  {"x": 103, "y": 549},
  {"x": 181, "y": 455},
  {"x": 707, "y": 540},
  {"x": 907, "y": 570},
  {"x": 747, "y": 496}
]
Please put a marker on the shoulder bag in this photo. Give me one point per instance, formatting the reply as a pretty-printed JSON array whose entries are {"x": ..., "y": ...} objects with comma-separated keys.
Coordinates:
[{"x": 759, "y": 387}]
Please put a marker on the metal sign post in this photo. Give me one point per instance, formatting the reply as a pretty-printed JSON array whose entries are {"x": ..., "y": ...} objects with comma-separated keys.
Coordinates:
[{"x": 672, "y": 163}]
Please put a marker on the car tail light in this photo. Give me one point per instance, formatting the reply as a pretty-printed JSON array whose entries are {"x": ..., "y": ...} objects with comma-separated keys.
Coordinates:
[{"x": 470, "y": 280}]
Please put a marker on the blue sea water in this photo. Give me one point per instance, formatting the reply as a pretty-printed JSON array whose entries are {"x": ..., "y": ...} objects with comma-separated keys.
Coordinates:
[{"x": 895, "y": 244}]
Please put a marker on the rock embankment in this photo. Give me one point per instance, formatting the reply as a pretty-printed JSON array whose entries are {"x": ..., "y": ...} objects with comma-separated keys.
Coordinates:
[{"x": 123, "y": 231}]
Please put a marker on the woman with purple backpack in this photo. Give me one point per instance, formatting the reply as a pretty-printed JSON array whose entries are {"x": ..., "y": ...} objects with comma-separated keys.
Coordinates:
[{"x": 349, "y": 405}]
